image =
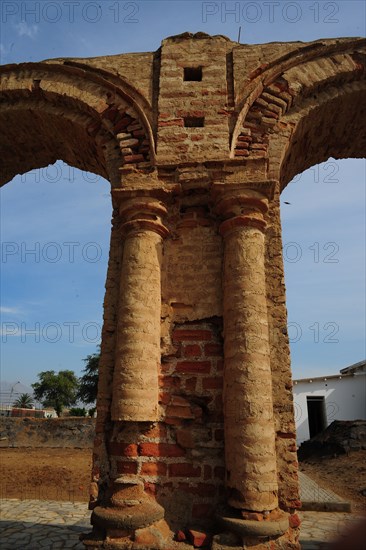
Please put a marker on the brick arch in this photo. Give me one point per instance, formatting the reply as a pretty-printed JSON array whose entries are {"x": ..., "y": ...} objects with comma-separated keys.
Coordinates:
[
  {"x": 51, "y": 111},
  {"x": 333, "y": 126},
  {"x": 282, "y": 87}
]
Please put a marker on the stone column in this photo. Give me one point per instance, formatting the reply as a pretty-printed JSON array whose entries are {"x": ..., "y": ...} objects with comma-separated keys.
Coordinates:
[
  {"x": 248, "y": 410},
  {"x": 135, "y": 379}
]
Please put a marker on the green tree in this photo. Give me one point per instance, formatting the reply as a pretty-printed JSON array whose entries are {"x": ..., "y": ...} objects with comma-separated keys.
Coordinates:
[
  {"x": 77, "y": 411},
  {"x": 88, "y": 383},
  {"x": 57, "y": 390},
  {"x": 24, "y": 401}
]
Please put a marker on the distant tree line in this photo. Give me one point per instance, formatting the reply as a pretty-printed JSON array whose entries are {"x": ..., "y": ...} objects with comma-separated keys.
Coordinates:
[{"x": 65, "y": 389}]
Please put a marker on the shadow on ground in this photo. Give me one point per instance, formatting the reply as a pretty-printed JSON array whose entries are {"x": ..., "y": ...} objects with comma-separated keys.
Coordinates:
[{"x": 22, "y": 535}]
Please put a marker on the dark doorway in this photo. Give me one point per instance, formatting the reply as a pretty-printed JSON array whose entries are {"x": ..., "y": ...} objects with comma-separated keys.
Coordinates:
[{"x": 316, "y": 414}]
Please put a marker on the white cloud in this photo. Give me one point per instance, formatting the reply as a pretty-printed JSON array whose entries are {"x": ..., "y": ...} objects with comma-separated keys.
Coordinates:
[
  {"x": 9, "y": 310},
  {"x": 23, "y": 29}
]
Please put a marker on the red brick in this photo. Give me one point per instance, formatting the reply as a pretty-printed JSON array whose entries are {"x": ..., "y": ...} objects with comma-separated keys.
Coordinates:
[
  {"x": 212, "y": 350},
  {"x": 164, "y": 398},
  {"x": 185, "y": 438},
  {"x": 198, "y": 539},
  {"x": 202, "y": 367},
  {"x": 118, "y": 448},
  {"x": 180, "y": 536},
  {"x": 153, "y": 469},
  {"x": 187, "y": 335},
  {"x": 243, "y": 145},
  {"x": 244, "y": 138},
  {"x": 296, "y": 504},
  {"x": 175, "y": 122},
  {"x": 212, "y": 383},
  {"x": 180, "y": 412},
  {"x": 180, "y": 401},
  {"x": 160, "y": 449},
  {"x": 111, "y": 113},
  {"x": 133, "y": 158},
  {"x": 294, "y": 521},
  {"x": 122, "y": 123},
  {"x": 158, "y": 431},
  {"x": 126, "y": 467},
  {"x": 192, "y": 350},
  {"x": 183, "y": 469}
]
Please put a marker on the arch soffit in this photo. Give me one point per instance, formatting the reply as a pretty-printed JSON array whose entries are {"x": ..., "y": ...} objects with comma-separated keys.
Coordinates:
[
  {"x": 282, "y": 86},
  {"x": 107, "y": 109},
  {"x": 333, "y": 126}
]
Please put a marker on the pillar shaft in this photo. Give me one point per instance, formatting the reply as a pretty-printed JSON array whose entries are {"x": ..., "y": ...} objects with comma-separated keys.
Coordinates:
[
  {"x": 135, "y": 380},
  {"x": 248, "y": 409}
]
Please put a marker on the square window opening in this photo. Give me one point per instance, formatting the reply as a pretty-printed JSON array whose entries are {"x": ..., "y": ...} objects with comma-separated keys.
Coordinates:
[
  {"x": 192, "y": 74},
  {"x": 194, "y": 121}
]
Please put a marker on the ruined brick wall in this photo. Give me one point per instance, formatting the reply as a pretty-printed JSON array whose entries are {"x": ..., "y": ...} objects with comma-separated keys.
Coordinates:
[{"x": 182, "y": 455}]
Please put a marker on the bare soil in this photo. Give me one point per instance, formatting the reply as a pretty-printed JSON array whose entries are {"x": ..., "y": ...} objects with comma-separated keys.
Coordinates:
[
  {"x": 344, "y": 474},
  {"x": 64, "y": 474},
  {"x": 45, "y": 474}
]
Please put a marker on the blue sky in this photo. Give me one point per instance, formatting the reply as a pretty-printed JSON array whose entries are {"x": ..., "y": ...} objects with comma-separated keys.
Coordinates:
[{"x": 51, "y": 298}]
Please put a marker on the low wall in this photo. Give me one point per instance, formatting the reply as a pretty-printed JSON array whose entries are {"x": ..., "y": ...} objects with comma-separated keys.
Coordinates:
[{"x": 47, "y": 432}]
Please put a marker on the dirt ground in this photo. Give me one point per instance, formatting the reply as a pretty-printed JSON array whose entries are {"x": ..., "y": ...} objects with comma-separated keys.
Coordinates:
[
  {"x": 45, "y": 474},
  {"x": 64, "y": 474}
]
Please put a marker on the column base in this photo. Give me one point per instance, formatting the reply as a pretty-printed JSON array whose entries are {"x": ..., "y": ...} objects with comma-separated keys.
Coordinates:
[
  {"x": 131, "y": 520},
  {"x": 233, "y": 522},
  {"x": 272, "y": 533},
  {"x": 156, "y": 536}
]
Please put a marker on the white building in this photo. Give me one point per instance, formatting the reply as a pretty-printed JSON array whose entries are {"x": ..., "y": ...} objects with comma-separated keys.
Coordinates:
[{"x": 318, "y": 401}]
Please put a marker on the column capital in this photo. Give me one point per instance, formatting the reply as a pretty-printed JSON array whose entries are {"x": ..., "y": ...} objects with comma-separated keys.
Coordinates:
[
  {"x": 242, "y": 204},
  {"x": 142, "y": 209}
]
